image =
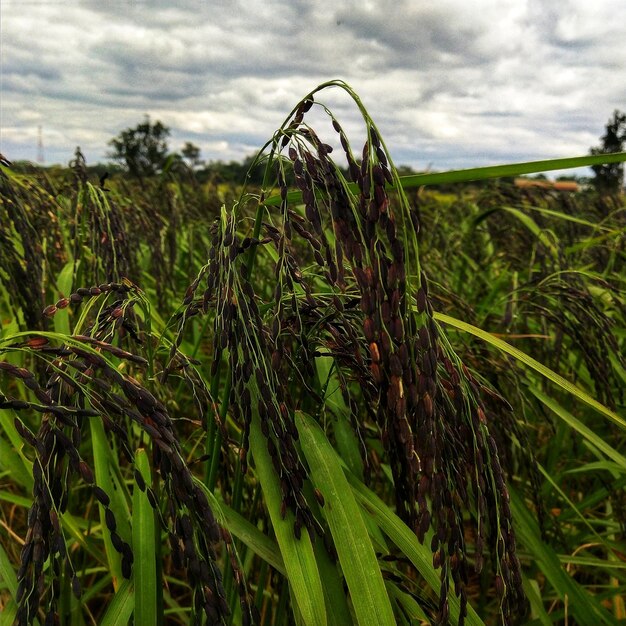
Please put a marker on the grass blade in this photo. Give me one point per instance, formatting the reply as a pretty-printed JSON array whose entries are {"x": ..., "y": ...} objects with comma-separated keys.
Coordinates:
[
  {"x": 354, "y": 547},
  {"x": 8, "y": 578},
  {"x": 120, "y": 609},
  {"x": 420, "y": 555},
  {"x": 510, "y": 169},
  {"x": 102, "y": 456},
  {"x": 527, "y": 221},
  {"x": 145, "y": 577},
  {"x": 581, "y": 604},
  {"x": 580, "y": 428},
  {"x": 7, "y": 573},
  {"x": 522, "y": 357},
  {"x": 336, "y": 598},
  {"x": 12, "y": 457},
  {"x": 537, "y": 610},
  {"x": 251, "y": 536},
  {"x": 298, "y": 556},
  {"x": 7, "y": 616},
  {"x": 483, "y": 173}
]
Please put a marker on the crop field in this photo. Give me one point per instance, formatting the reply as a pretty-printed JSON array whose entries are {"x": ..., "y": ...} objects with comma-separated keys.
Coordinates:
[{"x": 339, "y": 397}]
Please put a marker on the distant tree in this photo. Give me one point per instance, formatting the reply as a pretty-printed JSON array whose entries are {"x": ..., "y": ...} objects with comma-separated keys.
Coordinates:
[
  {"x": 609, "y": 178},
  {"x": 143, "y": 149},
  {"x": 191, "y": 153}
]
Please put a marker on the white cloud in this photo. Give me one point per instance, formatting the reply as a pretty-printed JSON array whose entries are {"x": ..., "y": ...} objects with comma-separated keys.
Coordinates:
[{"x": 448, "y": 82}]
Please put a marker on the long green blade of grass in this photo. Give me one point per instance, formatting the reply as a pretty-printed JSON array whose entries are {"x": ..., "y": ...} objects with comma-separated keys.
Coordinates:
[
  {"x": 8, "y": 578},
  {"x": 334, "y": 592},
  {"x": 420, "y": 555},
  {"x": 145, "y": 578},
  {"x": 8, "y": 614},
  {"x": 12, "y": 457},
  {"x": 558, "y": 215},
  {"x": 408, "y": 603},
  {"x": 581, "y": 604},
  {"x": 580, "y": 428},
  {"x": 345, "y": 437},
  {"x": 249, "y": 534},
  {"x": 528, "y": 223},
  {"x": 7, "y": 573},
  {"x": 101, "y": 456},
  {"x": 538, "y": 612},
  {"x": 120, "y": 609},
  {"x": 354, "y": 547},
  {"x": 533, "y": 364},
  {"x": 298, "y": 556},
  {"x": 510, "y": 169},
  {"x": 483, "y": 173}
]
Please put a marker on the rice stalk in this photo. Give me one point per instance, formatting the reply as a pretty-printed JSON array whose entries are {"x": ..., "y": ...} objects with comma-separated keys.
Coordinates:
[{"x": 355, "y": 248}]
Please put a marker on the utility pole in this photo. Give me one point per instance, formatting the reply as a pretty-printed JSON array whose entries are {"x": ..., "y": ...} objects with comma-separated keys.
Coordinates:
[{"x": 40, "y": 158}]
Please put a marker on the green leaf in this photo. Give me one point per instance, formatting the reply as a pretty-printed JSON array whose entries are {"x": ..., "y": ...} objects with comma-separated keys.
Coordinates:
[
  {"x": 146, "y": 582},
  {"x": 298, "y": 556},
  {"x": 531, "y": 589},
  {"x": 354, "y": 547},
  {"x": 12, "y": 458},
  {"x": 407, "y": 542},
  {"x": 64, "y": 285},
  {"x": 251, "y": 536},
  {"x": 522, "y": 357},
  {"x": 8, "y": 614},
  {"x": 345, "y": 437},
  {"x": 528, "y": 222},
  {"x": 7, "y": 573},
  {"x": 580, "y": 428},
  {"x": 103, "y": 457},
  {"x": 510, "y": 169},
  {"x": 336, "y": 598},
  {"x": 483, "y": 173},
  {"x": 581, "y": 604},
  {"x": 408, "y": 603},
  {"x": 9, "y": 578},
  {"x": 121, "y": 607}
]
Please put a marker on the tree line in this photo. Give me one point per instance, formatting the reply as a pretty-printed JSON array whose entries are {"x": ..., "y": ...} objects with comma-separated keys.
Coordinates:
[{"x": 143, "y": 151}]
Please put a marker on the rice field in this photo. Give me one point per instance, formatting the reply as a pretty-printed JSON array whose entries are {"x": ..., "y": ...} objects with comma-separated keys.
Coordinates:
[{"x": 342, "y": 397}]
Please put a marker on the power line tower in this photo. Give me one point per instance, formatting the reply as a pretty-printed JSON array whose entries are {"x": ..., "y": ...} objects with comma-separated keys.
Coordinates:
[{"x": 40, "y": 158}]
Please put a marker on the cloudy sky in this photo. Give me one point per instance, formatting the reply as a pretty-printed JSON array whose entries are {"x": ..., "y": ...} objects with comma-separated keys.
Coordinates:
[{"x": 449, "y": 83}]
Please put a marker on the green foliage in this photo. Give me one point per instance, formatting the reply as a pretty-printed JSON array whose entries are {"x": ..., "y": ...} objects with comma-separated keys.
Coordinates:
[
  {"x": 327, "y": 398},
  {"x": 143, "y": 149},
  {"x": 191, "y": 153}
]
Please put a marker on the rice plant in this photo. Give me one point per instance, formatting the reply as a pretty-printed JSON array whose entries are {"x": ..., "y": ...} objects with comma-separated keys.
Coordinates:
[{"x": 333, "y": 425}]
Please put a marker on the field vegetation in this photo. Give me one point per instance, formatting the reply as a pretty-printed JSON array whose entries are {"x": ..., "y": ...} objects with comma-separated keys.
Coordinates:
[{"x": 326, "y": 395}]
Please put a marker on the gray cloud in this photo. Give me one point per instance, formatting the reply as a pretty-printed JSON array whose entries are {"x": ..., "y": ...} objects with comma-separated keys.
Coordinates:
[{"x": 449, "y": 83}]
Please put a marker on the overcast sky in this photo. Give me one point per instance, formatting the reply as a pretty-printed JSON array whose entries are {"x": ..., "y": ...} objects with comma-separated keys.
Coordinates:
[{"x": 450, "y": 83}]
